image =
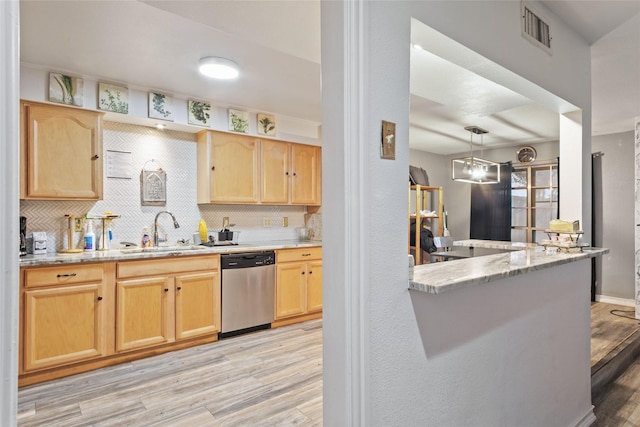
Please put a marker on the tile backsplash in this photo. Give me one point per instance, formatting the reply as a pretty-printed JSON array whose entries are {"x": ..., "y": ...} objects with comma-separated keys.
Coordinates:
[{"x": 175, "y": 152}]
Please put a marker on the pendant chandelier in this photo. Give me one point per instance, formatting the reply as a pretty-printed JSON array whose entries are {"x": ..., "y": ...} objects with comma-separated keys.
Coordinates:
[{"x": 475, "y": 170}]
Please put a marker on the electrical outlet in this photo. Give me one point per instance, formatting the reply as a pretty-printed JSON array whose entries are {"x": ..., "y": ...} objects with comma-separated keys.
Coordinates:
[
  {"x": 266, "y": 221},
  {"x": 285, "y": 221},
  {"x": 78, "y": 224}
]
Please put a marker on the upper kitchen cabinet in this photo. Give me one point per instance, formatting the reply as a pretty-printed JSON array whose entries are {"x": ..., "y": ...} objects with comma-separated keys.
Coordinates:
[
  {"x": 243, "y": 169},
  {"x": 290, "y": 173},
  {"x": 227, "y": 168},
  {"x": 305, "y": 182},
  {"x": 61, "y": 152}
]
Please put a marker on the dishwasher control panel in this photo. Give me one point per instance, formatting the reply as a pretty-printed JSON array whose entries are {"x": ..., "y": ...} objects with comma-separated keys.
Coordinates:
[{"x": 247, "y": 259}]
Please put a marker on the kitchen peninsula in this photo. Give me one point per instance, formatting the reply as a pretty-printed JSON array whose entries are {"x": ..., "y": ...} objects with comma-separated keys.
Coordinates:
[{"x": 524, "y": 315}]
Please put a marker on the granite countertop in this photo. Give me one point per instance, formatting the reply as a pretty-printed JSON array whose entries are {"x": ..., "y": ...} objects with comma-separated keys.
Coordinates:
[
  {"x": 518, "y": 258},
  {"x": 149, "y": 253}
]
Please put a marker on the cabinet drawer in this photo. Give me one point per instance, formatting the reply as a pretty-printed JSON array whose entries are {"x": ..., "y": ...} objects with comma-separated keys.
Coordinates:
[
  {"x": 63, "y": 275},
  {"x": 298, "y": 254},
  {"x": 167, "y": 266}
]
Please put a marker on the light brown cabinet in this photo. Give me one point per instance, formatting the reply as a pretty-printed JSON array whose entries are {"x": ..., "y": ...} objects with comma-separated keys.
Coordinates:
[
  {"x": 290, "y": 173},
  {"x": 63, "y": 315},
  {"x": 162, "y": 302},
  {"x": 241, "y": 169},
  {"x": 298, "y": 283},
  {"x": 61, "y": 152},
  {"x": 228, "y": 168}
]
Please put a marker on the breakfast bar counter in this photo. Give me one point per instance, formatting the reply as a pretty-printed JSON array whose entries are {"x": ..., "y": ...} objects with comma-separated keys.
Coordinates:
[
  {"x": 514, "y": 327},
  {"x": 467, "y": 271}
]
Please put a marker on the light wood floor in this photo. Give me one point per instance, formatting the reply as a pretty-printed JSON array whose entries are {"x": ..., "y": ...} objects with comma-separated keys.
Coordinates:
[
  {"x": 619, "y": 403},
  {"x": 267, "y": 378},
  {"x": 610, "y": 326}
]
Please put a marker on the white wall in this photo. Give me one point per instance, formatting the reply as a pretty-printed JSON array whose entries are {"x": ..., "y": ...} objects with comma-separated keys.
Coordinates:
[
  {"x": 9, "y": 173},
  {"x": 35, "y": 87},
  {"x": 376, "y": 369},
  {"x": 618, "y": 183}
]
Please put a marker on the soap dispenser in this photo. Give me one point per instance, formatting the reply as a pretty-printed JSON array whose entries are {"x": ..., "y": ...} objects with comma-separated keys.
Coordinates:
[
  {"x": 146, "y": 240},
  {"x": 89, "y": 238}
]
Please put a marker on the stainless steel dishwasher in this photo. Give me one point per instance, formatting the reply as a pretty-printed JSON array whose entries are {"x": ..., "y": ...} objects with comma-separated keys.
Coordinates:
[{"x": 248, "y": 289}]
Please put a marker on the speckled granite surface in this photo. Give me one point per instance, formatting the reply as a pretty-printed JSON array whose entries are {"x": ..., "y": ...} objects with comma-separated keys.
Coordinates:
[
  {"x": 129, "y": 254},
  {"x": 439, "y": 277}
]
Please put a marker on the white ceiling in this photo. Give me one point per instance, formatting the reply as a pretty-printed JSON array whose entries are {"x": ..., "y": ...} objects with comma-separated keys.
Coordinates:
[{"x": 156, "y": 45}]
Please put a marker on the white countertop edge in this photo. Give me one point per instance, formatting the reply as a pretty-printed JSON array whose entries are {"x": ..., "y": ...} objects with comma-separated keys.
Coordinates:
[
  {"x": 440, "y": 277},
  {"x": 116, "y": 255}
]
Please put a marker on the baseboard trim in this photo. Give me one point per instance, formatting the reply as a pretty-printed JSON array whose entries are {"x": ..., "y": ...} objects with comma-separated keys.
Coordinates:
[
  {"x": 615, "y": 300},
  {"x": 588, "y": 419}
]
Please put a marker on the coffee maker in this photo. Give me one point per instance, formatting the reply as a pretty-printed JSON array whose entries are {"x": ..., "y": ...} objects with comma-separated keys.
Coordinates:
[{"x": 23, "y": 236}]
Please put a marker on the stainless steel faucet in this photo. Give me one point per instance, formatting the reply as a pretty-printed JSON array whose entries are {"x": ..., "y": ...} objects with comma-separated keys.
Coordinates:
[{"x": 155, "y": 226}]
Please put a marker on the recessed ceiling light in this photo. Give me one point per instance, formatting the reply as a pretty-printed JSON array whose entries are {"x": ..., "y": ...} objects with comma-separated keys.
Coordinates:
[{"x": 218, "y": 68}]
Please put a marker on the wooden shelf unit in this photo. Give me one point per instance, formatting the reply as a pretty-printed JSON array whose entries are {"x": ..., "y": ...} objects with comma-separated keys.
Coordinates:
[{"x": 420, "y": 198}]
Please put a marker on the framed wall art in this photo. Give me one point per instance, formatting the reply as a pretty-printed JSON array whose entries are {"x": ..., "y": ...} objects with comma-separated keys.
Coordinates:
[
  {"x": 199, "y": 113},
  {"x": 238, "y": 121},
  {"x": 65, "y": 89},
  {"x": 113, "y": 98},
  {"x": 160, "y": 106},
  {"x": 266, "y": 124},
  {"x": 153, "y": 185}
]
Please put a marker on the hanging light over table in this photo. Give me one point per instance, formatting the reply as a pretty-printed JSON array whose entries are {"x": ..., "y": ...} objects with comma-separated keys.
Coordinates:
[{"x": 475, "y": 170}]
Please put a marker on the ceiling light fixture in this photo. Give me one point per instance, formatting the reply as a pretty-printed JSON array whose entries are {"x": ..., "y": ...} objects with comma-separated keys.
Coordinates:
[
  {"x": 475, "y": 170},
  {"x": 219, "y": 68}
]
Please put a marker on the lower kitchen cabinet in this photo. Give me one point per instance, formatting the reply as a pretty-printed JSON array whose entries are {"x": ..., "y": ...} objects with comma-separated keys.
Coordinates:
[
  {"x": 298, "y": 284},
  {"x": 142, "y": 312},
  {"x": 161, "y": 302},
  {"x": 63, "y": 317},
  {"x": 197, "y": 304},
  {"x": 79, "y": 317}
]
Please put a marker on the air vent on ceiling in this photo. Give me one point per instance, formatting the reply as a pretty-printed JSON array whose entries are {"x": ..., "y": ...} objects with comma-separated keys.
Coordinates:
[{"x": 535, "y": 29}]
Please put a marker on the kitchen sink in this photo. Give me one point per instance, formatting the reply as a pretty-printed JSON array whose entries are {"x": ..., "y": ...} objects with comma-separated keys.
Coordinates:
[{"x": 154, "y": 249}]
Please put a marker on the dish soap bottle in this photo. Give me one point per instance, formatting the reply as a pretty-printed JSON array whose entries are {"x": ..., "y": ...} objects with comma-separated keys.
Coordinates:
[
  {"x": 89, "y": 238},
  {"x": 146, "y": 241}
]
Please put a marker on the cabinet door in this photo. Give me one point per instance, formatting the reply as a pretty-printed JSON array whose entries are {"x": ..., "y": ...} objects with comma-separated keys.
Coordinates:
[
  {"x": 142, "y": 312},
  {"x": 197, "y": 304},
  {"x": 63, "y": 325},
  {"x": 275, "y": 171},
  {"x": 290, "y": 289},
  {"x": 305, "y": 180},
  {"x": 234, "y": 169},
  {"x": 62, "y": 153},
  {"x": 314, "y": 286}
]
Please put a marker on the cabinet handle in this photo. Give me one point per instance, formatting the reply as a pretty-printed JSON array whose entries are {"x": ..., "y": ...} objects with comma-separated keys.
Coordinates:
[
  {"x": 294, "y": 174},
  {"x": 179, "y": 287},
  {"x": 99, "y": 298},
  {"x": 95, "y": 156},
  {"x": 166, "y": 289},
  {"x": 213, "y": 168},
  {"x": 286, "y": 173},
  {"x": 67, "y": 275},
  {"x": 311, "y": 272},
  {"x": 309, "y": 254},
  {"x": 303, "y": 272}
]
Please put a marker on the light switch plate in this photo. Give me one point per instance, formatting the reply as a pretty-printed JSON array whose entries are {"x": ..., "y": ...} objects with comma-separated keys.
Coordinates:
[{"x": 388, "y": 141}]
